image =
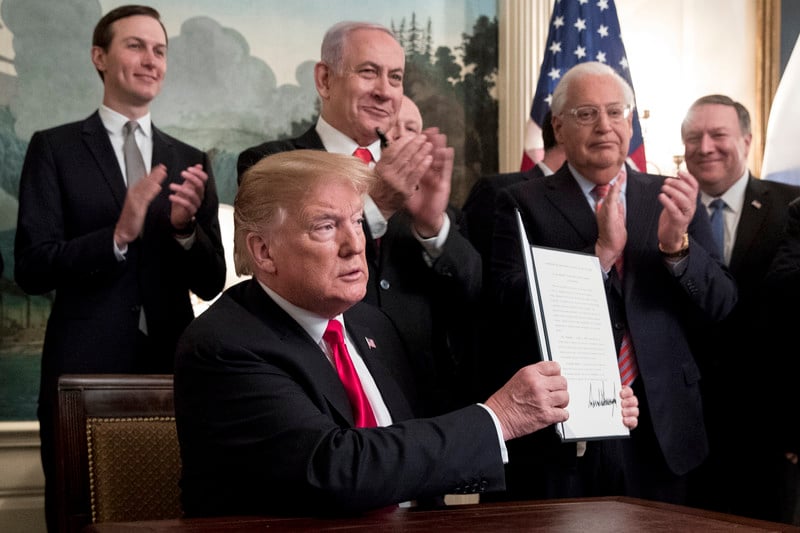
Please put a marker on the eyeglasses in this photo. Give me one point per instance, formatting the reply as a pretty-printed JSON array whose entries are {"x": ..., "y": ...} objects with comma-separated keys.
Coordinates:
[{"x": 586, "y": 115}]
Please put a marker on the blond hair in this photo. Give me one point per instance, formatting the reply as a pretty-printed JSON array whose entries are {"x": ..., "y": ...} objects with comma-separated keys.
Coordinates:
[{"x": 278, "y": 184}]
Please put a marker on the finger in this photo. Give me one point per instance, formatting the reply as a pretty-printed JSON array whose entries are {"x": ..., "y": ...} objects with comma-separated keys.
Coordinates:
[
  {"x": 187, "y": 192},
  {"x": 548, "y": 368},
  {"x": 402, "y": 149},
  {"x": 196, "y": 172},
  {"x": 194, "y": 182}
]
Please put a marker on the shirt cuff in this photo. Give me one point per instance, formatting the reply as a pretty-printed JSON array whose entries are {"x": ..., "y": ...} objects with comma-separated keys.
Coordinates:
[
  {"x": 375, "y": 219},
  {"x": 500, "y": 440},
  {"x": 677, "y": 266},
  {"x": 187, "y": 242},
  {"x": 119, "y": 253},
  {"x": 433, "y": 246}
]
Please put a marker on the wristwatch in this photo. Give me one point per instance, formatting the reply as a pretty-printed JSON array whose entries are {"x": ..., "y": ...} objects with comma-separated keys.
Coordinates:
[{"x": 682, "y": 252}]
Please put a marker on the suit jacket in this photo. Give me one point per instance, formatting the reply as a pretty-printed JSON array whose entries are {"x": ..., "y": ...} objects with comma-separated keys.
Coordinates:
[
  {"x": 430, "y": 305},
  {"x": 479, "y": 208},
  {"x": 71, "y": 195},
  {"x": 728, "y": 347},
  {"x": 743, "y": 474},
  {"x": 654, "y": 304},
  {"x": 265, "y": 425},
  {"x": 782, "y": 286}
]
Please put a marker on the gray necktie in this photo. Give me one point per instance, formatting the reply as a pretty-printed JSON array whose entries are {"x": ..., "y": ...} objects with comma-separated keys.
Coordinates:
[
  {"x": 135, "y": 170},
  {"x": 718, "y": 225},
  {"x": 134, "y": 163}
]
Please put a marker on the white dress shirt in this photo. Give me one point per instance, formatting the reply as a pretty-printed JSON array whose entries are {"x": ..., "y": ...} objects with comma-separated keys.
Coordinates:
[{"x": 734, "y": 203}]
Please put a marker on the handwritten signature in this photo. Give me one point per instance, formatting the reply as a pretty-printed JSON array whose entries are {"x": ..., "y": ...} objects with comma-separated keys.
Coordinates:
[{"x": 599, "y": 397}]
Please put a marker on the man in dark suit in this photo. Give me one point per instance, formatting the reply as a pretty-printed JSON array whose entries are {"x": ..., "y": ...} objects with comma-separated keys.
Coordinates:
[
  {"x": 423, "y": 272},
  {"x": 743, "y": 474},
  {"x": 652, "y": 245},
  {"x": 479, "y": 206},
  {"x": 271, "y": 418},
  {"x": 783, "y": 283},
  {"x": 122, "y": 231}
]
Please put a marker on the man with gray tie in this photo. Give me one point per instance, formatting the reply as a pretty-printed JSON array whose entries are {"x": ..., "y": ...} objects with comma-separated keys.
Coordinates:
[
  {"x": 743, "y": 472},
  {"x": 120, "y": 220}
]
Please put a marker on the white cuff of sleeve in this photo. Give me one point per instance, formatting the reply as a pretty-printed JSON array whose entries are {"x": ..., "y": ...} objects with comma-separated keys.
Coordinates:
[
  {"x": 433, "y": 246},
  {"x": 375, "y": 219},
  {"x": 187, "y": 242},
  {"x": 119, "y": 253},
  {"x": 500, "y": 440}
]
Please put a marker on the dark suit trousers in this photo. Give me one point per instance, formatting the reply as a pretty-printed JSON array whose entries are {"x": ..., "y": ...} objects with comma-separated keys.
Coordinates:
[{"x": 633, "y": 466}]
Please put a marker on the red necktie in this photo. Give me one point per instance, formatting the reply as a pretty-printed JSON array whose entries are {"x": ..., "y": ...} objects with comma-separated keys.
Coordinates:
[
  {"x": 362, "y": 410},
  {"x": 626, "y": 359},
  {"x": 364, "y": 155}
]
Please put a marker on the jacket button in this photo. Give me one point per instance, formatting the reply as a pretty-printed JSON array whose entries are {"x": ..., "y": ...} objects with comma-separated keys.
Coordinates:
[{"x": 385, "y": 284}]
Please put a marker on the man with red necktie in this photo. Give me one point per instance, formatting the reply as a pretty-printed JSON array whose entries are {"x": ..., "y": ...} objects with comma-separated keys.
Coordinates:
[
  {"x": 422, "y": 271},
  {"x": 292, "y": 396},
  {"x": 654, "y": 247}
]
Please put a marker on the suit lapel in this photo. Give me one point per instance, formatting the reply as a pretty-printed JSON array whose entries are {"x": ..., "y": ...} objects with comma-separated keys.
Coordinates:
[
  {"x": 755, "y": 209},
  {"x": 566, "y": 196},
  {"x": 99, "y": 145},
  {"x": 309, "y": 140},
  {"x": 302, "y": 349},
  {"x": 379, "y": 365}
]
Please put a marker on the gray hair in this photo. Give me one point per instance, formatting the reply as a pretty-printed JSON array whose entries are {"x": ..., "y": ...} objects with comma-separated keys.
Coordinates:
[
  {"x": 332, "y": 50},
  {"x": 579, "y": 71}
]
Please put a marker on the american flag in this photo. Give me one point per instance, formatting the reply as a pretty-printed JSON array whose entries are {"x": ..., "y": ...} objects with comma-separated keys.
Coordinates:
[{"x": 580, "y": 30}]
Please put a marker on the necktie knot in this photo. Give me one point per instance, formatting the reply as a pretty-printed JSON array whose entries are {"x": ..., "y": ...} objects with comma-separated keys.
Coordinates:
[
  {"x": 333, "y": 333},
  {"x": 601, "y": 191},
  {"x": 130, "y": 127},
  {"x": 717, "y": 204},
  {"x": 363, "y": 154}
]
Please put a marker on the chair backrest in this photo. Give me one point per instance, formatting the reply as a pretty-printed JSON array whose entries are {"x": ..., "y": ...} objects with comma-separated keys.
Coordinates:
[{"x": 118, "y": 455}]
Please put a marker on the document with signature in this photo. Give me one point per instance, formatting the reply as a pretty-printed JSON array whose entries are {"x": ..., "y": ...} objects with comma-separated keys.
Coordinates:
[{"x": 574, "y": 329}]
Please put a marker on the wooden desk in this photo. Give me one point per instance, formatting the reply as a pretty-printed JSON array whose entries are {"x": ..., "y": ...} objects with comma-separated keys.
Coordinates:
[{"x": 581, "y": 515}]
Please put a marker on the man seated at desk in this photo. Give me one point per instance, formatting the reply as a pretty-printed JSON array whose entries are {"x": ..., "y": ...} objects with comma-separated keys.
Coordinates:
[{"x": 276, "y": 415}]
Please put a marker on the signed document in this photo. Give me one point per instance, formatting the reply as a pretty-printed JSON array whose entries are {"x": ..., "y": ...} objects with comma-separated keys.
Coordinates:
[{"x": 573, "y": 328}]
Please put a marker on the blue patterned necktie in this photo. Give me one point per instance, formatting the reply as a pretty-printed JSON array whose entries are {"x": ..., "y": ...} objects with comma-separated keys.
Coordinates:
[{"x": 718, "y": 225}]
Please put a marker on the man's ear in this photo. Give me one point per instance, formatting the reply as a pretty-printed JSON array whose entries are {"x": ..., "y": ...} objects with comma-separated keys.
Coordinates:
[
  {"x": 322, "y": 79},
  {"x": 99, "y": 58},
  {"x": 259, "y": 247},
  {"x": 557, "y": 124}
]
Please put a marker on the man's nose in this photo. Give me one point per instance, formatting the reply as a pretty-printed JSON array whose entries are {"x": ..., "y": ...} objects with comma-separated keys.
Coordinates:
[
  {"x": 353, "y": 240},
  {"x": 706, "y": 143},
  {"x": 603, "y": 121}
]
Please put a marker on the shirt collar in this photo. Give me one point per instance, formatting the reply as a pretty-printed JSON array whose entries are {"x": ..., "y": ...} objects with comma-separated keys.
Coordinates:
[
  {"x": 733, "y": 197},
  {"x": 587, "y": 186},
  {"x": 114, "y": 121},
  {"x": 312, "y": 323},
  {"x": 338, "y": 143}
]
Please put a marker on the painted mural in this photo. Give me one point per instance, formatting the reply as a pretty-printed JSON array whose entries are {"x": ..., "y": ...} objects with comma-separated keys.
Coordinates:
[{"x": 240, "y": 72}]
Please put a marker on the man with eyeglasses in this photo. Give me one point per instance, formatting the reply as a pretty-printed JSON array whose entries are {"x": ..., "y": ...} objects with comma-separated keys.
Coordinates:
[{"x": 653, "y": 245}]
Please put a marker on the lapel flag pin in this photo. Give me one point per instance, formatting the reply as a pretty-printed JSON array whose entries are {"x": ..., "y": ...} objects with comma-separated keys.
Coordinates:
[
  {"x": 370, "y": 343},
  {"x": 756, "y": 204}
]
